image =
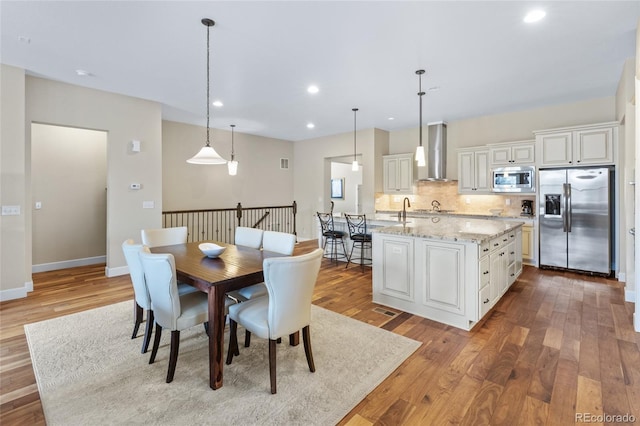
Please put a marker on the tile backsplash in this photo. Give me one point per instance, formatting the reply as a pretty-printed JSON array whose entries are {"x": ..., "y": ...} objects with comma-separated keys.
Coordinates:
[{"x": 447, "y": 194}]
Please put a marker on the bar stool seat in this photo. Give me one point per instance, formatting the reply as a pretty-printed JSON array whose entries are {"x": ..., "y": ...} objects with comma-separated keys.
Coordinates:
[
  {"x": 331, "y": 237},
  {"x": 359, "y": 237}
]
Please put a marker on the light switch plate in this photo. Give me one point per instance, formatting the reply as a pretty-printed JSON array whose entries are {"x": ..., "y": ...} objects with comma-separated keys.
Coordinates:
[
  {"x": 10, "y": 210},
  {"x": 148, "y": 204}
]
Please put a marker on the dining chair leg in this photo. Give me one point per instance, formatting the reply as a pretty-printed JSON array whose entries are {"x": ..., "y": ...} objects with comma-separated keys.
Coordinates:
[
  {"x": 272, "y": 364},
  {"x": 306, "y": 338},
  {"x": 173, "y": 356},
  {"x": 206, "y": 327},
  {"x": 156, "y": 343},
  {"x": 362, "y": 257},
  {"x": 233, "y": 341},
  {"x": 147, "y": 331},
  {"x": 138, "y": 312},
  {"x": 247, "y": 338}
]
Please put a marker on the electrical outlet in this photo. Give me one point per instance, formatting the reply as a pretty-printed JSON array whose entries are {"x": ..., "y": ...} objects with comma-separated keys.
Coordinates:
[
  {"x": 467, "y": 200},
  {"x": 507, "y": 201}
]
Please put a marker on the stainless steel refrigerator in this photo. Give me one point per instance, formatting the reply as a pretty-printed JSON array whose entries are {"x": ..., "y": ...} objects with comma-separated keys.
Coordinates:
[{"x": 575, "y": 213}]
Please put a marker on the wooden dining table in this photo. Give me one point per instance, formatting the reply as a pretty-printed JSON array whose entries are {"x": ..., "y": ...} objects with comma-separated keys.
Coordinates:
[{"x": 236, "y": 268}]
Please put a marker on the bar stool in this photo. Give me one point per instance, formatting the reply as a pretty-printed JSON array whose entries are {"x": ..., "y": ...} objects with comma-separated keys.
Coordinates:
[
  {"x": 359, "y": 237},
  {"x": 331, "y": 237}
]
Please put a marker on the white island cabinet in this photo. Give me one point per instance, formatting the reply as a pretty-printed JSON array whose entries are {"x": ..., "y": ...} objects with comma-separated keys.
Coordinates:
[{"x": 450, "y": 270}]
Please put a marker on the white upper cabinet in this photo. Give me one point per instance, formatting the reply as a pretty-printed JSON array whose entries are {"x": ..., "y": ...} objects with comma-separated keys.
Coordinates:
[
  {"x": 398, "y": 174},
  {"x": 577, "y": 146},
  {"x": 474, "y": 173},
  {"x": 512, "y": 153}
]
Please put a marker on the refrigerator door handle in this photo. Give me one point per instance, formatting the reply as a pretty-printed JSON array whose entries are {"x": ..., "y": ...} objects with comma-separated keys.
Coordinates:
[{"x": 568, "y": 213}]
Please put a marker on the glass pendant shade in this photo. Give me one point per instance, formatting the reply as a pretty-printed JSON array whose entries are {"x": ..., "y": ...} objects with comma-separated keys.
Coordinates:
[
  {"x": 354, "y": 166},
  {"x": 420, "y": 156},
  {"x": 233, "y": 167},
  {"x": 206, "y": 155}
]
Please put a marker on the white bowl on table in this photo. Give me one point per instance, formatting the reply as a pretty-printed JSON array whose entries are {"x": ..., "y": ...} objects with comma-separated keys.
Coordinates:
[{"x": 211, "y": 250}]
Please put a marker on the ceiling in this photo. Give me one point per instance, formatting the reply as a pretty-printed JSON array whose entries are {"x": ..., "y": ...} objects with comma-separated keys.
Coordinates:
[{"x": 481, "y": 57}]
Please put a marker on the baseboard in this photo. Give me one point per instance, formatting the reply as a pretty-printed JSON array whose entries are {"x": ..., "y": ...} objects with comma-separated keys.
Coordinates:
[
  {"x": 116, "y": 272},
  {"x": 622, "y": 277},
  {"x": 629, "y": 296},
  {"x": 16, "y": 293},
  {"x": 636, "y": 322},
  {"x": 54, "y": 266}
]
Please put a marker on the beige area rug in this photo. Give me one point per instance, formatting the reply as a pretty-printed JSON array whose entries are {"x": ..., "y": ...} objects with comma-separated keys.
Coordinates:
[{"x": 89, "y": 372}]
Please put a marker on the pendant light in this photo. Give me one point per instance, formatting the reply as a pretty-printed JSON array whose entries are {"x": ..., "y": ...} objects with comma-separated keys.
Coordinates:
[
  {"x": 420, "y": 149},
  {"x": 233, "y": 164},
  {"x": 354, "y": 165},
  {"x": 207, "y": 155}
]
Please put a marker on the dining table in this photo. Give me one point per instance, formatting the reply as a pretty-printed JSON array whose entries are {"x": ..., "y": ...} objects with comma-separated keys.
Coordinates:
[{"x": 235, "y": 268}]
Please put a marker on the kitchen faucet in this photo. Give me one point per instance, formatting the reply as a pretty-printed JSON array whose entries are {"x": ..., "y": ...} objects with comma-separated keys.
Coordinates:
[
  {"x": 405, "y": 203},
  {"x": 435, "y": 204}
]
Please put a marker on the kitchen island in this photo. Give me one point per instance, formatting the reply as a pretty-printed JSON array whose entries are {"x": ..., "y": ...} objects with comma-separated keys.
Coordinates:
[{"x": 451, "y": 270}]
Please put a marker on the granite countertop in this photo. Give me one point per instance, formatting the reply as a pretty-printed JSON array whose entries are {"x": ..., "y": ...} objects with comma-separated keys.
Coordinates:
[
  {"x": 419, "y": 214},
  {"x": 448, "y": 228}
]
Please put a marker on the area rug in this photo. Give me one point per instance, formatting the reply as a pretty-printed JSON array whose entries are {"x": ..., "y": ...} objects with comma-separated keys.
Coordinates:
[{"x": 90, "y": 372}]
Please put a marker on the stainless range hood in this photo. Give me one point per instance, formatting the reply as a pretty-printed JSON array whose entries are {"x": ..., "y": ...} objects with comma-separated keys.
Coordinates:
[{"x": 436, "y": 154}]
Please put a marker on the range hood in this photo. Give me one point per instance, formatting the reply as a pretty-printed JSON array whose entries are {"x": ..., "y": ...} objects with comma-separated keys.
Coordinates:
[{"x": 436, "y": 154}]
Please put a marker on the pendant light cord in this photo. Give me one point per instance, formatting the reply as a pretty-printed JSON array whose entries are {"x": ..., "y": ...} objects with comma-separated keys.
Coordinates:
[
  {"x": 355, "y": 110},
  {"x": 232, "y": 150},
  {"x": 208, "y": 27},
  {"x": 420, "y": 94}
]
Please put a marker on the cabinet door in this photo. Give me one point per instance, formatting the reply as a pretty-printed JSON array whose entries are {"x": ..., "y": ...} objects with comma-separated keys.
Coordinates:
[
  {"x": 513, "y": 264},
  {"x": 527, "y": 243},
  {"x": 482, "y": 173},
  {"x": 501, "y": 156},
  {"x": 555, "y": 149},
  {"x": 496, "y": 275},
  {"x": 523, "y": 154},
  {"x": 394, "y": 270},
  {"x": 390, "y": 174},
  {"x": 405, "y": 174},
  {"x": 593, "y": 146},
  {"x": 466, "y": 172},
  {"x": 442, "y": 276}
]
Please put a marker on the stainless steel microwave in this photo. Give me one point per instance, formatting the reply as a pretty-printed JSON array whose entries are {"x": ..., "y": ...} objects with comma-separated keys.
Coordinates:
[{"x": 514, "y": 179}]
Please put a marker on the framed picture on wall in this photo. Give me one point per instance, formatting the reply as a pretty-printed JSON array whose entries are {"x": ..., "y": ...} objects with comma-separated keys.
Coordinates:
[{"x": 337, "y": 188}]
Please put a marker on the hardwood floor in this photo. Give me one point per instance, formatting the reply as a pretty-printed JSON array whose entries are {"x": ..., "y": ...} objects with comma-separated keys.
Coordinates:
[{"x": 557, "y": 344}]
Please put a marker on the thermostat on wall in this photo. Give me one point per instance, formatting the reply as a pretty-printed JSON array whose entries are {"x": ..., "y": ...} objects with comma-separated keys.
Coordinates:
[{"x": 135, "y": 186}]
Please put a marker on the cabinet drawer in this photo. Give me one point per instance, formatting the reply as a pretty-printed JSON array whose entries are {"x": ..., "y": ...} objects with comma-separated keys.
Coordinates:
[
  {"x": 498, "y": 242},
  {"x": 484, "y": 300},
  {"x": 484, "y": 248}
]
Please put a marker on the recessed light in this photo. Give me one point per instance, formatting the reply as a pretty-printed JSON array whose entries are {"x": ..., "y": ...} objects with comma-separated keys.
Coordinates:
[
  {"x": 310, "y": 125},
  {"x": 534, "y": 16},
  {"x": 391, "y": 118},
  {"x": 313, "y": 89},
  {"x": 83, "y": 73},
  {"x": 217, "y": 104}
]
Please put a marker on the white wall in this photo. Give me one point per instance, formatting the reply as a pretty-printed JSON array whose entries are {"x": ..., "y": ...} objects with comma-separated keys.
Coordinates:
[
  {"x": 69, "y": 180},
  {"x": 351, "y": 181},
  {"x": 15, "y": 272},
  {"x": 312, "y": 172},
  {"x": 259, "y": 182},
  {"x": 124, "y": 119}
]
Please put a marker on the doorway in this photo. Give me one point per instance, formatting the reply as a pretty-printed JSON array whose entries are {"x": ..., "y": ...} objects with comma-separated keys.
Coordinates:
[
  {"x": 349, "y": 199},
  {"x": 68, "y": 186}
]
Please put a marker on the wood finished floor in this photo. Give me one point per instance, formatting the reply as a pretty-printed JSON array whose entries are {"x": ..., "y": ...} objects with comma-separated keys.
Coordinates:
[{"x": 557, "y": 344}]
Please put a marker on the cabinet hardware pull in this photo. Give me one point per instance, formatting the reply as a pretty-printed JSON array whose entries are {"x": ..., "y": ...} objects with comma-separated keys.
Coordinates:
[
  {"x": 485, "y": 249},
  {"x": 513, "y": 252},
  {"x": 485, "y": 272},
  {"x": 505, "y": 240},
  {"x": 486, "y": 301},
  {"x": 496, "y": 244}
]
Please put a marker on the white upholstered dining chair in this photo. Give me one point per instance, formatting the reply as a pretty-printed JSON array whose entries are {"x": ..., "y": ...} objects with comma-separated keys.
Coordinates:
[
  {"x": 173, "y": 311},
  {"x": 286, "y": 310},
  {"x": 142, "y": 300},
  {"x": 164, "y": 236},
  {"x": 248, "y": 237}
]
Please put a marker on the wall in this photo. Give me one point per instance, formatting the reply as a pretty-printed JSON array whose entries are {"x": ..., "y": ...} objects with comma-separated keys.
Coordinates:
[
  {"x": 124, "y": 119},
  {"x": 351, "y": 181},
  {"x": 69, "y": 179},
  {"x": 312, "y": 172},
  {"x": 259, "y": 182},
  {"x": 15, "y": 273}
]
